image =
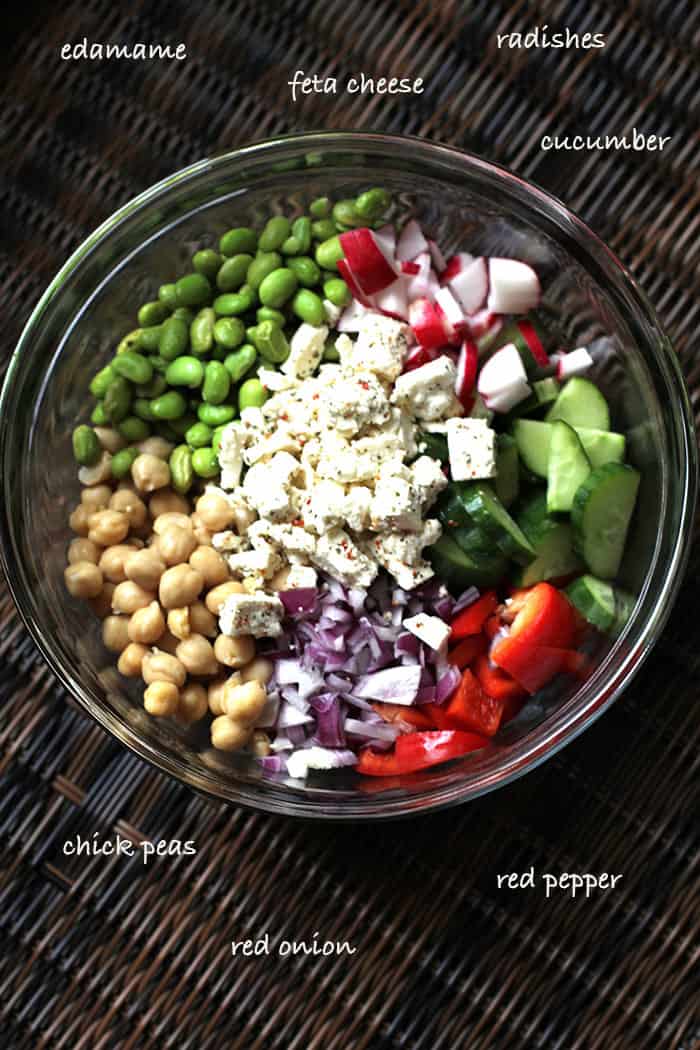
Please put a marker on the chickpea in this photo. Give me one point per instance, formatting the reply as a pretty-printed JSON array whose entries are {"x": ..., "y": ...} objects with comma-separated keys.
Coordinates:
[
  {"x": 193, "y": 703},
  {"x": 179, "y": 622},
  {"x": 115, "y": 633},
  {"x": 102, "y": 604},
  {"x": 202, "y": 621},
  {"x": 215, "y": 511},
  {"x": 128, "y": 597},
  {"x": 150, "y": 472},
  {"x": 129, "y": 503},
  {"x": 227, "y": 735},
  {"x": 165, "y": 501},
  {"x": 211, "y": 565},
  {"x": 161, "y": 699},
  {"x": 99, "y": 472},
  {"x": 131, "y": 659},
  {"x": 96, "y": 498},
  {"x": 196, "y": 653},
  {"x": 176, "y": 544},
  {"x": 215, "y": 694},
  {"x": 260, "y": 743},
  {"x": 168, "y": 643},
  {"x": 147, "y": 624},
  {"x": 159, "y": 666},
  {"x": 245, "y": 702},
  {"x": 218, "y": 595},
  {"x": 179, "y": 585},
  {"x": 156, "y": 446},
  {"x": 258, "y": 670},
  {"x": 78, "y": 520},
  {"x": 145, "y": 567},
  {"x": 108, "y": 527},
  {"x": 83, "y": 550},
  {"x": 243, "y": 518},
  {"x": 83, "y": 579},
  {"x": 171, "y": 517},
  {"x": 110, "y": 439},
  {"x": 234, "y": 652},
  {"x": 201, "y": 532},
  {"x": 112, "y": 562}
]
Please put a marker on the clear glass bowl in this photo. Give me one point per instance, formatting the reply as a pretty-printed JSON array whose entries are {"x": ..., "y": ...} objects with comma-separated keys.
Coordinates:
[{"x": 468, "y": 204}]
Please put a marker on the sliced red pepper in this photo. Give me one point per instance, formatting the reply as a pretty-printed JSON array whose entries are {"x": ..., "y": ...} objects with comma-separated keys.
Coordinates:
[
  {"x": 545, "y": 621},
  {"x": 492, "y": 627},
  {"x": 464, "y": 654},
  {"x": 497, "y": 683},
  {"x": 412, "y": 716},
  {"x": 471, "y": 620},
  {"x": 416, "y": 751},
  {"x": 469, "y": 708},
  {"x": 570, "y": 661}
]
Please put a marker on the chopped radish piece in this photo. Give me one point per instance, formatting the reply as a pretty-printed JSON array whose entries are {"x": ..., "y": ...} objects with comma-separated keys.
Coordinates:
[
  {"x": 503, "y": 380},
  {"x": 454, "y": 265},
  {"x": 426, "y": 323},
  {"x": 534, "y": 344},
  {"x": 453, "y": 314},
  {"x": 386, "y": 242},
  {"x": 352, "y": 315},
  {"x": 345, "y": 271},
  {"x": 411, "y": 242},
  {"x": 514, "y": 287},
  {"x": 420, "y": 284},
  {"x": 484, "y": 321},
  {"x": 573, "y": 364},
  {"x": 370, "y": 268},
  {"x": 436, "y": 255},
  {"x": 467, "y": 364},
  {"x": 471, "y": 285},
  {"x": 394, "y": 299},
  {"x": 420, "y": 355},
  {"x": 410, "y": 267},
  {"x": 509, "y": 398}
]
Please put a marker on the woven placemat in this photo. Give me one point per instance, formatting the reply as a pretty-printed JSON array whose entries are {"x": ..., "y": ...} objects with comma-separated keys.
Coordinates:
[{"x": 107, "y": 952}]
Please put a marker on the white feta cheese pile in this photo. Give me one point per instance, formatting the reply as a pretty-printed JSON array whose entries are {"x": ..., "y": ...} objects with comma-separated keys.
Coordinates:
[{"x": 471, "y": 445}]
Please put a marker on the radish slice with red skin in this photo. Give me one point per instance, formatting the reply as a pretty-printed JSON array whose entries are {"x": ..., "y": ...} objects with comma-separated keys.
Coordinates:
[
  {"x": 573, "y": 364},
  {"x": 503, "y": 375},
  {"x": 471, "y": 286},
  {"x": 453, "y": 311},
  {"x": 454, "y": 265},
  {"x": 419, "y": 356},
  {"x": 410, "y": 267},
  {"x": 352, "y": 316},
  {"x": 484, "y": 321},
  {"x": 507, "y": 400},
  {"x": 370, "y": 268},
  {"x": 394, "y": 299},
  {"x": 411, "y": 242},
  {"x": 514, "y": 287},
  {"x": 427, "y": 324},
  {"x": 386, "y": 242},
  {"x": 534, "y": 344},
  {"x": 436, "y": 255},
  {"x": 467, "y": 365},
  {"x": 345, "y": 271}
]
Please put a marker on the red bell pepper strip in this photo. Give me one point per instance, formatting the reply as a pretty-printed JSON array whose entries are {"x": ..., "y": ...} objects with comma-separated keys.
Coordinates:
[
  {"x": 497, "y": 683},
  {"x": 471, "y": 620},
  {"x": 464, "y": 654},
  {"x": 545, "y": 621},
  {"x": 492, "y": 626},
  {"x": 416, "y": 751},
  {"x": 570, "y": 661},
  {"x": 469, "y": 708},
  {"x": 412, "y": 716}
]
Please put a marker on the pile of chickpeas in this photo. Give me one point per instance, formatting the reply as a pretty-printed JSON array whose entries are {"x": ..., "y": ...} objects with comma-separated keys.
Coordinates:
[{"x": 144, "y": 561}]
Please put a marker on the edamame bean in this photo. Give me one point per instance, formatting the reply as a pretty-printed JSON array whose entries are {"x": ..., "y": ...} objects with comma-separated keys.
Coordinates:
[
  {"x": 180, "y": 426},
  {"x": 233, "y": 272},
  {"x": 168, "y": 406},
  {"x": 308, "y": 307},
  {"x": 345, "y": 214},
  {"x": 181, "y": 474},
  {"x": 323, "y": 229},
  {"x": 276, "y": 231},
  {"x": 185, "y": 371},
  {"x": 101, "y": 380},
  {"x": 233, "y": 303},
  {"x": 251, "y": 394},
  {"x": 183, "y": 313},
  {"x": 198, "y": 435},
  {"x": 278, "y": 287},
  {"x": 320, "y": 208},
  {"x": 337, "y": 292},
  {"x": 167, "y": 296},
  {"x": 202, "y": 331},
  {"x": 121, "y": 462},
  {"x": 215, "y": 415},
  {"x": 142, "y": 408},
  {"x": 205, "y": 463},
  {"x": 301, "y": 230},
  {"x": 261, "y": 266},
  {"x": 372, "y": 204},
  {"x": 159, "y": 363},
  {"x": 216, "y": 438},
  {"x": 150, "y": 338},
  {"x": 207, "y": 262},
  {"x": 174, "y": 337},
  {"x": 152, "y": 313},
  {"x": 240, "y": 239},
  {"x": 134, "y": 367},
  {"x": 155, "y": 388},
  {"x": 240, "y": 361},
  {"x": 117, "y": 400},
  {"x": 266, "y": 313},
  {"x": 193, "y": 290},
  {"x": 99, "y": 416},
  {"x": 132, "y": 341},
  {"x": 86, "y": 446},
  {"x": 305, "y": 270},
  {"x": 229, "y": 332},
  {"x": 134, "y": 429},
  {"x": 292, "y": 246},
  {"x": 271, "y": 342},
  {"x": 217, "y": 383},
  {"x": 329, "y": 252}
]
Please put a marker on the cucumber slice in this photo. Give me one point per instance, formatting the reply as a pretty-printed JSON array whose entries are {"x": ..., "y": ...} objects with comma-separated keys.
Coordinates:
[
  {"x": 553, "y": 541},
  {"x": 581, "y": 404},
  {"x": 594, "y": 599},
  {"x": 544, "y": 393},
  {"x": 488, "y": 513},
  {"x": 533, "y": 436},
  {"x": 601, "y": 514},
  {"x": 507, "y": 480},
  {"x": 459, "y": 570},
  {"x": 472, "y": 540},
  {"x": 624, "y": 605},
  {"x": 602, "y": 446},
  {"x": 567, "y": 468},
  {"x": 450, "y": 508}
]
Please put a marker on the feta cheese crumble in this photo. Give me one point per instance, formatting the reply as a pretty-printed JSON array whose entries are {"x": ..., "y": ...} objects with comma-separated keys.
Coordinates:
[
  {"x": 429, "y": 629},
  {"x": 471, "y": 445}
]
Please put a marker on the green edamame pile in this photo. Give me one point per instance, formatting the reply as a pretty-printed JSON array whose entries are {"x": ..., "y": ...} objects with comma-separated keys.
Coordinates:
[{"x": 190, "y": 366}]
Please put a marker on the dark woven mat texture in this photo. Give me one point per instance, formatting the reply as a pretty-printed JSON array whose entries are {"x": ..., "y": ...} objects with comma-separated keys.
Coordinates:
[{"x": 106, "y": 953}]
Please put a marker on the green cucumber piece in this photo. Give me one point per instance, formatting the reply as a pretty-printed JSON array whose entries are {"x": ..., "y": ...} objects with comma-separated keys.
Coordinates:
[
  {"x": 568, "y": 467},
  {"x": 601, "y": 514},
  {"x": 533, "y": 436},
  {"x": 581, "y": 404},
  {"x": 552, "y": 539},
  {"x": 594, "y": 599},
  {"x": 488, "y": 513},
  {"x": 602, "y": 446},
  {"x": 624, "y": 606},
  {"x": 472, "y": 540},
  {"x": 450, "y": 508},
  {"x": 507, "y": 480},
  {"x": 459, "y": 570}
]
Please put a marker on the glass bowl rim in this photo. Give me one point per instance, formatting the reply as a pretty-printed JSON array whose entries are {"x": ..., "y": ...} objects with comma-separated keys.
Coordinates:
[{"x": 540, "y": 745}]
